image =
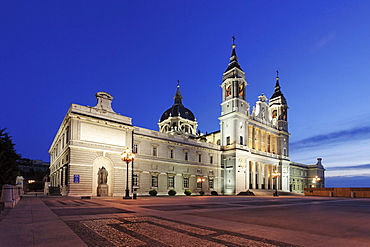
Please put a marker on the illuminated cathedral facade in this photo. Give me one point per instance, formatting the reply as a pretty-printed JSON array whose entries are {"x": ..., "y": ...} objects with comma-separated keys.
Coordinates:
[{"x": 249, "y": 152}]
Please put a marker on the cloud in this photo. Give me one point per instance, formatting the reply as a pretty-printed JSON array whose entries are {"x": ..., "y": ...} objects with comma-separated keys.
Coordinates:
[
  {"x": 335, "y": 168},
  {"x": 334, "y": 138},
  {"x": 323, "y": 41}
]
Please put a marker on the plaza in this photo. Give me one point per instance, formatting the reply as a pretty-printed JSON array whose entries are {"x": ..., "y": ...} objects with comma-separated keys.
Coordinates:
[{"x": 187, "y": 221}]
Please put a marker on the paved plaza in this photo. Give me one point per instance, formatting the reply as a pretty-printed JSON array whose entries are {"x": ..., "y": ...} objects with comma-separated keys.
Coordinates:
[{"x": 187, "y": 221}]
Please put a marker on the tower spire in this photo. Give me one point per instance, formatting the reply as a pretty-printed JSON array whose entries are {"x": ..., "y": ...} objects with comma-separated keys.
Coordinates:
[
  {"x": 277, "y": 85},
  {"x": 233, "y": 58},
  {"x": 178, "y": 96},
  {"x": 277, "y": 91}
]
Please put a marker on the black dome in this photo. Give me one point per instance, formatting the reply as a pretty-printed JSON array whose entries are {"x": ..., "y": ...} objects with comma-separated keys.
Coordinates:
[{"x": 178, "y": 110}]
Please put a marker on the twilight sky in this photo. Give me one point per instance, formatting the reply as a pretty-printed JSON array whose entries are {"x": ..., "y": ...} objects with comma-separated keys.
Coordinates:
[{"x": 54, "y": 53}]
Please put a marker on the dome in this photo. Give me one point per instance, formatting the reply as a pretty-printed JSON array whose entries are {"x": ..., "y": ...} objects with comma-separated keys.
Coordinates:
[{"x": 178, "y": 110}]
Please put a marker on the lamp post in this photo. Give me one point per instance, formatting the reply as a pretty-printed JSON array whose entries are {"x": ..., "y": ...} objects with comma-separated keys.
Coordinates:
[
  {"x": 315, "y": 180},
  {"x": 275, "y": 175},
  {"x": 127, "y": 156},
  {"x": 201, "y": 181}
]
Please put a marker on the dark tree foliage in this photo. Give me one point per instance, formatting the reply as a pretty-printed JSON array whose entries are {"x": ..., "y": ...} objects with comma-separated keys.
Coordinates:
[{"x": 8, "y": 159}]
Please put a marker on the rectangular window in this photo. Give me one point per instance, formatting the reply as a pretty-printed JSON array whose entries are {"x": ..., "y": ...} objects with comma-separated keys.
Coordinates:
[
  {"x": 154, "y": 151},
  {"x": 135, "y": 180},
  {"x": 67, "y": 134},
  {"x": 171, "y": 153},
  {"x": 211, "y": 159},
  {"x": 228, "y": 140},
  {"x": 199, "y": 157},
  {"x": 186, "y": 156},
  {"x": 171, "y": 181},
  {"x": 154, "y": 181},
  {"x": 135, "y": 148},
  {"x": 199, "y": 185},
  {"x": 241, "y": 140},
  {"x": 211, "y": 182},
  {"x": 186, "y": 182}
]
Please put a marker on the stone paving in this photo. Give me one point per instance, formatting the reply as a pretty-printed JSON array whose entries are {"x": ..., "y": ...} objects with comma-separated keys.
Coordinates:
[
  {"x": 155, "y": 231},
  {"x": 187, "y": 221}
]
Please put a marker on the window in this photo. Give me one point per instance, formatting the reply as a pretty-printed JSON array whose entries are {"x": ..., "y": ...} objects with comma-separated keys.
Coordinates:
[
  {"x": 200, "y": 157},
  {"x": 135, "y": 180},
  {"x": 228, "y": 140},
  {"x": 171, "y": 153},
  {"x": 67, "y": 134},
  {"x": 154, "y": 151},
  {"x": 199, "y": 185},
  {"x": 135, "y": 148},
  {"x": 154, "y": 181},
  {"x": 171, "y": 181},
  {"x": 199, "y": 170},
  {"x": 186, "y": 182},
  {"x": 211, "y": 183},
  {"x": 241, "y": 140},
  {"x": 186, "y": 156},
  {"x": 211, "y": 159}
]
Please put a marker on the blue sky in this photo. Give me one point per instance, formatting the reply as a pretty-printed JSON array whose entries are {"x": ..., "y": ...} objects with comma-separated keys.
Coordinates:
[{"x": 54, "y": 53}]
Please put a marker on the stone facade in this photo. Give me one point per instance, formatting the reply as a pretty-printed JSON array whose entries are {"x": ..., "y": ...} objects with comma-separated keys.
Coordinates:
[{"x": 243, "y": 155}]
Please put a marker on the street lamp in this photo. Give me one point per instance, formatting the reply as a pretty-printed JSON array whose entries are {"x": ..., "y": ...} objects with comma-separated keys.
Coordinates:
[
  {"x": 127, "y": 156},
  {"x": 315, "y": 180},
  {"x": 201, "y": 181},
  {"x": 275, "y": 175}
]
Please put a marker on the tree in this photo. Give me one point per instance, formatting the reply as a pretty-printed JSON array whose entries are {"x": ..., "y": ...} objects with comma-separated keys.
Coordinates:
[{"x": 8, "y": 159}]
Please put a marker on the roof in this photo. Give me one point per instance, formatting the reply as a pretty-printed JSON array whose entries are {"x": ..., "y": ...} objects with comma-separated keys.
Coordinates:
[{"x": 178, "y": 109}]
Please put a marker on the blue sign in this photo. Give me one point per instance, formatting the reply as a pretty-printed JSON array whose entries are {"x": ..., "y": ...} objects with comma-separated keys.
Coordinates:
[{"x": 76, "y": 179}]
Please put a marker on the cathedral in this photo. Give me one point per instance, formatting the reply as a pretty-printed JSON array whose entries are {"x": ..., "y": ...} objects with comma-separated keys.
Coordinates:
[{"x": 250, "y": 152}]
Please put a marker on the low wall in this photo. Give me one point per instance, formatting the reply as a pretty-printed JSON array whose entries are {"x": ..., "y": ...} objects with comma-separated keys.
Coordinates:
[
  {"x": 10, "y": 195},
  {"x": 338, "y": 192}
]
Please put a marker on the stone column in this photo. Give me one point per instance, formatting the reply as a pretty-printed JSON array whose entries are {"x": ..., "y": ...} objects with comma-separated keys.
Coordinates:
[
  {"x": 253, "y": 174},
  {"x": 247, "y": 173}
]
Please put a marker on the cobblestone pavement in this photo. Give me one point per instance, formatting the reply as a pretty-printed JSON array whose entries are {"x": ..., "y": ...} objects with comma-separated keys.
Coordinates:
[
  {"x": 114, "y": 230},
  {"x": 216, "y": 221},
  {"x": 155, "y": 231}
]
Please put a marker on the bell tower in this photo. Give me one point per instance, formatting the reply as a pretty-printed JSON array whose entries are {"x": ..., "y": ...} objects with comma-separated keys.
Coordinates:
[
  {"x": 233, "y": 125},
  {"x": 279, "y": 107},
  {"x": 234, "y": 108}
]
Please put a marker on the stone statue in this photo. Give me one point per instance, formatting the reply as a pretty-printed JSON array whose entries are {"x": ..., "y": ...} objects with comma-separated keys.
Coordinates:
[{"x": 102, "y": 176}]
